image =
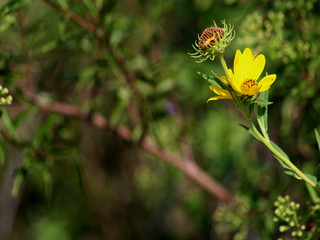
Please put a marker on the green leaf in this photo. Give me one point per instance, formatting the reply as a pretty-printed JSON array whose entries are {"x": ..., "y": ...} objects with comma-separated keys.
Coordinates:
[
  {"x": 262, "y": 101},
  {"x": 18, "y": 181},
  {"x": 21, "y": 118},
  {"x": 317, "y": 138},
  {"x": 12, "y": 7},
  {"x": 213, "y": 80},
  {"x": 47, "y": 182},
  {"x": 311, "y": 177},
  {"x": 262, "y": 113},
  {"x": 2, "y": 153},
  {"x": 282, "y": 153},
  {"x": 64, "y": 4},
  {"x": 249, "y": 130},
  {"x": 7, "y": 122},
  {"x": 313, "y": 193},
  {"x": 91, "y": 6},
  {"x": 290, "y": 172}
]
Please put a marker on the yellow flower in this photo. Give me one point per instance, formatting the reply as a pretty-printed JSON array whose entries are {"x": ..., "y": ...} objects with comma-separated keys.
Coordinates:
[{"x": 244, "y": 78}]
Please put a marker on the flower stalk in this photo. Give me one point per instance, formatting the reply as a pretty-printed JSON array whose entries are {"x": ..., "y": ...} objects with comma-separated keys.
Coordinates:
[
  {"x": 264, "y": 137},
  {"x": 266, "y": 142}
]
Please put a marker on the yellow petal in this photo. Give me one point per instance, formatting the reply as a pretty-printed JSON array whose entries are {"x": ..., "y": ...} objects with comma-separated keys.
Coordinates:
[
  {"x": 224, "y": 79},
  {"x": 219, "y": 97},
  {"x": 266, "y": 82},
  {"x": 254, "y": 90},
  {"x": 219, "y": 91},
  {"x": 235, "y": 84},
  {"x": 243, "y": 65},
  {"x": 257, "y": 67}
]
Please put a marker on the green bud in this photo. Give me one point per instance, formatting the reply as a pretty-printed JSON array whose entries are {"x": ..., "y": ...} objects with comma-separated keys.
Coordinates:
[
  {"x": 212, "y": 42},
  {"x": 4, "y": 91},
  {"x": 283, "y": 228}
]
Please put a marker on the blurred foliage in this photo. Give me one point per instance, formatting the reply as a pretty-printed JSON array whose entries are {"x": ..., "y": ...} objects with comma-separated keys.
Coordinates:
[
  {"x": 300, "y": 225},
  {"x": 74, "y": 181}
]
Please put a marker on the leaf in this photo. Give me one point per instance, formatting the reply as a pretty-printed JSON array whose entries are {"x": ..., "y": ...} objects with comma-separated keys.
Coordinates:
[
  {"x": 317, "y": 138},
  {"x": 64, "y": 4},
  {"x": 11, "y": 7},
  {"x": 262, "y": 101},
  {"x": 313, "y": 193},
  {"x": 249, "y": 130},
  {"x": 18, "y": 181},
  {"x": 213, "y": 80},
  {"x": 283, "y": 153},
  {"x": 2, "y": 153},
  {"x": 47, "y": 182},
  {"x": 291, "y": 173},
  {"x": 21, "y": 118},
  {"x": 263, "y": 111},
  {"x": 311, "y": 177},
  {"x": 91, "y": 6},
  {"x": 7, "y": 122}
]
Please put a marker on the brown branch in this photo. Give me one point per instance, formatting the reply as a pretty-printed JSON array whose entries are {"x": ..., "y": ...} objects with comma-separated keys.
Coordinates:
[
  {"x": 189, "y": 168},
  {"x": 73, "y": 16},
  {"x": 129, "y": 75}
]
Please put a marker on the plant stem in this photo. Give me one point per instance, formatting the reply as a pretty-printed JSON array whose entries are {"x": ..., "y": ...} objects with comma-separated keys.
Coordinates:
[
  {"x": 224, "y": 65},
  {"x": 284, "y": 159}
]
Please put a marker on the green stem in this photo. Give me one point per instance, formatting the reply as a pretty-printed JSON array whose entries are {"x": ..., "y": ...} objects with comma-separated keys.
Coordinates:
[
  {"x": 224, "y": 65},
  {"x": 284, "y": 159}
]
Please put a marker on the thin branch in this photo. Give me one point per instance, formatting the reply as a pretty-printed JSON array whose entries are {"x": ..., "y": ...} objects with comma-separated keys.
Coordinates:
[
  {"x": 189, "y": 168},
  {"x": 73, "y": 16}
]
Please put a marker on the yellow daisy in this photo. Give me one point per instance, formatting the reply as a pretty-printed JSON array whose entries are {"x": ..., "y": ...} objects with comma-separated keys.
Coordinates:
[{"x": 247, "y": 69}]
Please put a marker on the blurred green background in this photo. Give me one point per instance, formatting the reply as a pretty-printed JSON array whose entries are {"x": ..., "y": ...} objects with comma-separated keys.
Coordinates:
[{"x": 81, "y": 182}]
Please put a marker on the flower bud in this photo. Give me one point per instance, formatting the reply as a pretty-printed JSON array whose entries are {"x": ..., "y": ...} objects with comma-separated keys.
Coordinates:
[{"x": 213, "y": 41}]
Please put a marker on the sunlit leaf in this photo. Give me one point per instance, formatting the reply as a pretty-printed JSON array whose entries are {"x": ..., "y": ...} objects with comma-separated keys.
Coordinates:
[{"x": 213, "y": 80}]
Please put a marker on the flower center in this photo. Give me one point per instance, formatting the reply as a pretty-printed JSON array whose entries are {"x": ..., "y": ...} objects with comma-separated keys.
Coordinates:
[
  {"x": 250, "y": 83},
  {"x": 209, "y": 36},
  {"x": 249, "y": 87}
]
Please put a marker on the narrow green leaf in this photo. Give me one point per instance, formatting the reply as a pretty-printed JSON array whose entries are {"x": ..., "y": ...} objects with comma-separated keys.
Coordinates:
[
  {"x": 64, "y": 4},
  {"x": 263, "y": 111},
  {"x": 249, "y": 130},
  {"x": 118, "y": 111},
  {"x": 282, "y": 153},
  {"x": 7, "y": 122},
  {"x": 47, "y": 183},
  {"x": 279, "y": 149},
  {"x": 27, "y": 113},
  {"x": 290, "y": 172},
  {"x": 213, "y": 80},
  {"x": 311, "y": 177},
  {"x": 313, "y": 193},
  {"x": 317, "y": 138},
  {"x": 18, "y": 181},
  {"x": 11, "y": 7},
  {"x": 91, "y": 6},
  {"x": 262, "y": 101},
  {"x": 2, "y": 154}
]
